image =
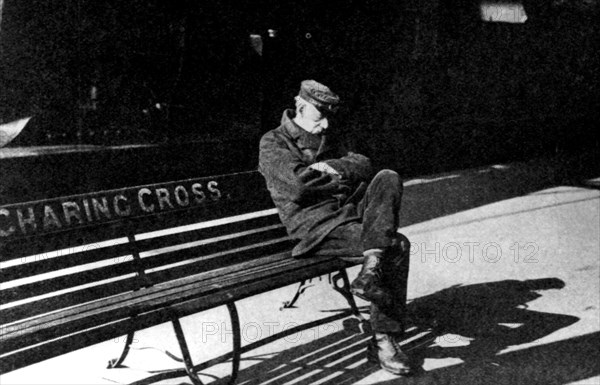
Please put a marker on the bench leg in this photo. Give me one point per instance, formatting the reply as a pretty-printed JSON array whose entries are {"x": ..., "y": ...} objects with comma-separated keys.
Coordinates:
[
  {"x": 302, "y": 286},
  {"x": 341, "y": 284},
  {"x": 237, "y": 346},
  {"x": 237, "y": 342},
  {"x": 117, "y": 362},
  {"x": 185, "y": 352}
]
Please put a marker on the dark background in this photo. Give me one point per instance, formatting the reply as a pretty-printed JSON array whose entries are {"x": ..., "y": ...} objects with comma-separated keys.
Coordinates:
[{"x": 426, "y": 87}]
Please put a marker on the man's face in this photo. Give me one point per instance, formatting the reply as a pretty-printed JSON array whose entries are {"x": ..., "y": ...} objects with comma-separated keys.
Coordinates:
[{"x": 314, "y": 121}]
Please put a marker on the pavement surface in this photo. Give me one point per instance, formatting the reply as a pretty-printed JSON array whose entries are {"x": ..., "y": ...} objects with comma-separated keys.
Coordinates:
[{"x": 504, "y": 288}]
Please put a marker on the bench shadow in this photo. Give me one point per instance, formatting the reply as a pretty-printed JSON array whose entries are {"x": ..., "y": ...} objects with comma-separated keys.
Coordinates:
[{"x": 490, "y": 316}]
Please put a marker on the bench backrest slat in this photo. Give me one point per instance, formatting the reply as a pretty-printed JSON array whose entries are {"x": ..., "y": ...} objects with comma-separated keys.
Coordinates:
[
  {"x": 70, "y": 250},
  {"x": 63, "y": 282},
  {"x": 209, "y": 251},
  {"x": 39, "y": 264},
  {"x": 182, "y": 236}
]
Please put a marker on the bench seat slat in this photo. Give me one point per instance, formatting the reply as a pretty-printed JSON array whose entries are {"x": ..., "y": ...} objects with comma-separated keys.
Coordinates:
[
  {"x": 120, "y": 327},
  {"x": 175, "y": 286},
  {"x": 280, "y": 271},
  {"x": 140, "y": 301},
  {"x": 57, "y": 302}
]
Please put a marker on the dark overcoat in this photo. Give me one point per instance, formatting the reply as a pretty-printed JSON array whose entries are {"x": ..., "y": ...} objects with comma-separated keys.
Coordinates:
[{"x": 311, "y": 203}]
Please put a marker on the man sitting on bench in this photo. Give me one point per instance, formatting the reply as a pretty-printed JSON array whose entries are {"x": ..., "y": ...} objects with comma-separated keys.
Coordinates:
[{"x": 328, "y": 199}]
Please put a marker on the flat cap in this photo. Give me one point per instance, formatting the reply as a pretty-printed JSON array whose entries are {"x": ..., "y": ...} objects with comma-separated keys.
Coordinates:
[{"x": 319, "y": 95}]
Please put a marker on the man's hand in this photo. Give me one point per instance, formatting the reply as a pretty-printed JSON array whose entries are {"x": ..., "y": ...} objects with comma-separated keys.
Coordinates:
[
  {"x": 315, "y": 186},
  {"x": 324, "y": 167}
]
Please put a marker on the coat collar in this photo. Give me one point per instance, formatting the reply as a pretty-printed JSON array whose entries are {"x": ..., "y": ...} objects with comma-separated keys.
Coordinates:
[
  {"x": 288, "y": 124},
  {"x": 303, "y": 138}
]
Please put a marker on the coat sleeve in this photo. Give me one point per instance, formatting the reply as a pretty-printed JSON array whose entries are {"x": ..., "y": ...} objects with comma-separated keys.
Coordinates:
[
  {"x": 353, "y": 167},
  {"x": 288, "y": 176}
]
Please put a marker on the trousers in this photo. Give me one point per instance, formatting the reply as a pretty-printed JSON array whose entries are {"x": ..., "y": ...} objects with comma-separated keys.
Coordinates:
[{"x": 377, "y": 228}]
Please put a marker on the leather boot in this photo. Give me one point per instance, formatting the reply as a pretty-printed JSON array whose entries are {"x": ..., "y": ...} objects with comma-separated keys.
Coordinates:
[
  {"x": 368, "y": 284},
  {"x": 385, "y": 350}
]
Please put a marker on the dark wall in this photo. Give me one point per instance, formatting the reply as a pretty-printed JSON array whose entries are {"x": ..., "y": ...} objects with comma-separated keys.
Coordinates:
[
  {"x": 468, "y": 92},
  {"x": 141, "y": 71},
  {"x": 431, "y": 87},
  {"x": 427, "y": 87}
]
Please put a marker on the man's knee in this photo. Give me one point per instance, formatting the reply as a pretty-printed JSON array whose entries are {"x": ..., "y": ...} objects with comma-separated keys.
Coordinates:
[{"x": 390, "y": 178}]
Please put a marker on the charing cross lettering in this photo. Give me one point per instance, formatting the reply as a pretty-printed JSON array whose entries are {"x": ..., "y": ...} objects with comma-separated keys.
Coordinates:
[{"x": 44, "y": 216}]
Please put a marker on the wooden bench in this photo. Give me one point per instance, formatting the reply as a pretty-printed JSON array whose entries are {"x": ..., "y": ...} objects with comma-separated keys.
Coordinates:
[{"x": 82, "y": 269}]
